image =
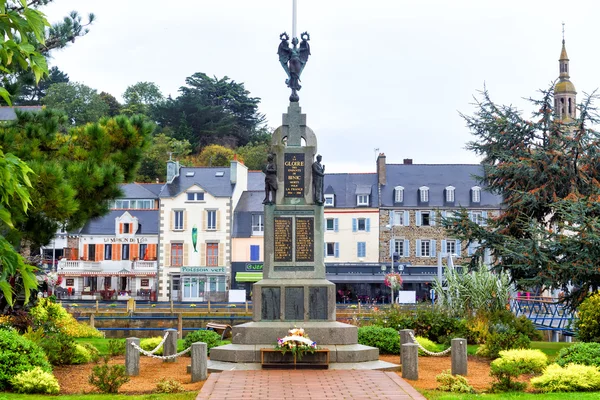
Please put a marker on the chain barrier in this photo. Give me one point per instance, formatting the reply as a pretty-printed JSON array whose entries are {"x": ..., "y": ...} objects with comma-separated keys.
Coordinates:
[
  {"x": 151, "y": 354},
  {"x": 430, "y": 353}
]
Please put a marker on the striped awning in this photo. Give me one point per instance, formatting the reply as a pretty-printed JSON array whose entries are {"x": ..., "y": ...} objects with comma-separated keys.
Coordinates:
[
  {"x": 84, "y": 273},
  {"x": 248, "y": 276}
]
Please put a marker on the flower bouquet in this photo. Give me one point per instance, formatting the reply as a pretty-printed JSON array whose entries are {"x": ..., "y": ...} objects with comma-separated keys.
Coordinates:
[
  {"x": 393, "y": 281},
  {"x": 297, "y": 342}
]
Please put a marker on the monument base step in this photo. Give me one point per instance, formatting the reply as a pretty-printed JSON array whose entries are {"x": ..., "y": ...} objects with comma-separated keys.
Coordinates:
[
  {"x": 250, "y": 353},
  {"x": 322, "y": 332},
  {"x": 219, "y": 366}
]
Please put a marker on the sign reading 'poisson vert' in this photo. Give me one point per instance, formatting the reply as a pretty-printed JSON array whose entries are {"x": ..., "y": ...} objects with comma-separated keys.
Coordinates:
[{"x": 203, "y": 270}]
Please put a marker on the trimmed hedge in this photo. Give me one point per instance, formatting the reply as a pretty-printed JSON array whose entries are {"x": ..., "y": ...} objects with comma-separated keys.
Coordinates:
[
  {"x": 385, "y": 339},
  {"x": 18, "y": 354}
]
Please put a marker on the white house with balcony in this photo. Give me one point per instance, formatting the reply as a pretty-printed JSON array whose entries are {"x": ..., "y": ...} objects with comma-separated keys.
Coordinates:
[{"x": 115, "y": 256}]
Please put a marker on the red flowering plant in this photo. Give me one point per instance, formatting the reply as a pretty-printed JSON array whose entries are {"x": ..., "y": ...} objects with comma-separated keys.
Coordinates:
[
  {"x": 296, "y": 342},
  {"x": 393, "y": 281}
]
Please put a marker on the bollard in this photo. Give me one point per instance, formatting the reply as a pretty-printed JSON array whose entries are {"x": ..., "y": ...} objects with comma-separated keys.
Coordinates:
[
  {"x": 199, "y": 362},
  {"x": 97, "y": 305},
  {"x": 246, "y": 306},
  {"x": 410, "y": 361},
  {"x": 170, "y": 346},
  {"x": 459, "y": 356},
  {"x": 171, "y": 306},
  {"x": 92, "y": 321},
  {"x": 132, "y": 357},
  {"x": 405, "y": 338},
  {"x": 209, "y": 306},
  {"x": 179, "y": 326}
]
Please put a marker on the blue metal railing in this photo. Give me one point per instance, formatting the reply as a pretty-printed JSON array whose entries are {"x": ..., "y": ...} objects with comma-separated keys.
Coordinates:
[{"x": 545, "y": 313}]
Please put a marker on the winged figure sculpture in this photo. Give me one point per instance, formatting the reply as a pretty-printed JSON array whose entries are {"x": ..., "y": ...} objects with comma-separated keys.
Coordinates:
[{"x": 293, "y": 59}]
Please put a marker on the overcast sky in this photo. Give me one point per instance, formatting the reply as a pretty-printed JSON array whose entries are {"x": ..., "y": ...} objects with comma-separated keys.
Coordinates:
[{"x": 391, "y": 75}]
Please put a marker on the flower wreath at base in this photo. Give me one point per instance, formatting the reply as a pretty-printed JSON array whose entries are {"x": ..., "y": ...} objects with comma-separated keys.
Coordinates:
[{"x": 296, "y": 342}]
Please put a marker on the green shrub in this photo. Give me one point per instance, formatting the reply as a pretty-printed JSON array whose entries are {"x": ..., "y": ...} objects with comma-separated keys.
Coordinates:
[
  {"x": 150, "y": 344},
  {"x": 94, "y": 353},
  {"x": 439, "y": 326},
  {"x": 394, "y": 317},
  {"x": 108, "y": 378},
  {"x": 211, "y": 338},
  {"x": 18, "y": 354},
  {"x": 579, "y": 353},
  {"x": 514, "y": 363},
  {"x": 35, "y": 381},
  {"x": 59, "y": 348},
  {"x": 502, "y": 337},
  {"x": 385, "y": 339},
  {"x": 588, "y": 324},
  {"x": 169, "y": 386},
  {"x": 453, "y": 383},
  {"x": 427, "y": 344},
  {"x": 82, "y": 355},
  {"x": 572, "y": 378},
  {"x": 116, "y": 347}
]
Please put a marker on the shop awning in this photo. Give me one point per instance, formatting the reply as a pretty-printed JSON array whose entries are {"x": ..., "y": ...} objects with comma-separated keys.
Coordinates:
[{"x": 248, "y": 276}]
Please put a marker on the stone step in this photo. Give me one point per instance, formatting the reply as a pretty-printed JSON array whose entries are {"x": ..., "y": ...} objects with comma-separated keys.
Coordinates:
[
  {"x": 219, "y": 366},
  {"x": 322, "y": 332},
  {"x": 250, "y": 353}
]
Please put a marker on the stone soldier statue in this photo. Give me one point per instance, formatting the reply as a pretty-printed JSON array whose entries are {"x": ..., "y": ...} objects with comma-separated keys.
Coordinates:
[
  {"x": 270, "y": 180},
  {"x": 318, "y": 172}
]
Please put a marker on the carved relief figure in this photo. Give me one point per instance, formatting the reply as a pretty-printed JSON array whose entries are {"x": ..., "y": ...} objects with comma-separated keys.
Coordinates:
[
  {"x": 318, "y": 172},
  {"x": 270, "y": 180}
]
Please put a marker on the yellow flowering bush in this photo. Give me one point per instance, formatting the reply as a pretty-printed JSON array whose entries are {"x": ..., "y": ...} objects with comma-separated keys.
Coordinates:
[
  {"x": 150, "y": 344},
  {"x": 47, "y": 311},
  {"x": 35, "y": 380},
  {"x": 572, "y": 378}
]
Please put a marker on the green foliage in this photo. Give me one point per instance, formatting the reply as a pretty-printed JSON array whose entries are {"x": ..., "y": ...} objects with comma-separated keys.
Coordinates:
[
  {"x": 453, "y": 383},
  {"x": 588, "y": 324},
  {"x": 140, "y": 97},
  {"x": 385, "y": 339},
  {"x": 429, "y": 345},
  {"x": 213, "y": 155},
  {"x": 211, "y": 338},
  {"x": 154, "y": 161},
  {"x": 59, "y": 348},
  {"x": 579, "y": 353},
  {"x": 108, "y": 378},
  {"x": 169, "y": 386},
  {"x": 150, "y": 344},
  {"x": 114, "y": 107},
  {"x": 548, "y": 234},
  {"x": 502, "y": 337},
  {"x": 54, "y": 317},
  {"x": 571, "y": 378},
  {"x": 81, "y": 103},
  {"x": 514, "y": 363},
  {"x": 18, "y": 354},
  {"x": 116, "y": 347},
  {"x": 35, "y": 380},
  {"x": 254, "y": 155},
  {"x": 84, "y": 354}
]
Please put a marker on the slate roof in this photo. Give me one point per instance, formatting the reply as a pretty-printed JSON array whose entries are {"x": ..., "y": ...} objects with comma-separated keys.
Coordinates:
[
  {"x": 8, "y": 113},
  {"x": 140, "y": 190},
  {"x": 251, "y": 201},
  {"x": 345, "y": 187},
  {"x": 106, "y": 225},
  {"x": 205, "y": 177},
  {"x": 256, "y": 180},
  {"x": 436, "y": 177}
]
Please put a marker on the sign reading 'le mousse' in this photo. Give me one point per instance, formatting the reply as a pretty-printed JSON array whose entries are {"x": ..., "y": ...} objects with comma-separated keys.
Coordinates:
[
  {"x": 293, "y": 174},
  {"x": 283, "y": 239}
]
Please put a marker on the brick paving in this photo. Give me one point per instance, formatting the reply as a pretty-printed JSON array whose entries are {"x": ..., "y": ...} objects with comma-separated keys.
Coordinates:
[{"x": 307, "y": 384}]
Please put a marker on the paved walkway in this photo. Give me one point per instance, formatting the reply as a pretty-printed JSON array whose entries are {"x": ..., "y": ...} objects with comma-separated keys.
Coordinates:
[{"x": 307, "y": 384}]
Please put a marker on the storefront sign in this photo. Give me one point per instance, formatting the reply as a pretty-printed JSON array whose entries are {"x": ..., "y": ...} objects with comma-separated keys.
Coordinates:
[
  {"x": 202, "y": 270},
  {"x": 70, "y": 282},
  {"x": 253, "y": 267},
  {"x": 125, "y": 240},
  {"x": 293, "y": 174}
]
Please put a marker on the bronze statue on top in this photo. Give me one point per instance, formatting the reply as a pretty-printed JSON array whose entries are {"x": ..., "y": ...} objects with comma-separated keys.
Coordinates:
[
  {"x": 293, "y": 60},
  {"x": 270, "y": 180}
]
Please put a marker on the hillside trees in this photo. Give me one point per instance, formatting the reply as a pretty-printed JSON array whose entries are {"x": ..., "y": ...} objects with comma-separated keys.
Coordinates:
[
  {"x": 548, "y": 235},
  {"x": 81, "y": 103}
]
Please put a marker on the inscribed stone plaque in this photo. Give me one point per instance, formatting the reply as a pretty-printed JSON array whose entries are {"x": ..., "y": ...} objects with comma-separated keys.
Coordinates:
[
  {"x": 283, "y": 239},
  {"x": 294, "y": 303},
  {"x": 305, "y": 239},
  {"x": 271, "y": 303},
  {"x": 294, "y": 268},
  {"x": 317, "y": 302},
  {"x": 293, "y": 175}
]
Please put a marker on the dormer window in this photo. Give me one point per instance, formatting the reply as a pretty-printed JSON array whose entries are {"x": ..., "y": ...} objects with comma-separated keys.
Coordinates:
[
  {"x": 195, "y": 196},
  {"x": 329, "y": 200},
  {"x": 362, "y": 200},
  {"x": 450, "y": 194},
  {"x": 398, "y": 194},
  {"x": 424, "y": 194},
  {"x": 476, "y": 194}
]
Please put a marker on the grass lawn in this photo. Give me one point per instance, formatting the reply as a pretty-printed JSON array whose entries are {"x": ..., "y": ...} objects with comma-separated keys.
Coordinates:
[
  {"x": 551, "y": 349},
  {"x": 171, "y": 396},
  {"x": 437, "y": 395}
]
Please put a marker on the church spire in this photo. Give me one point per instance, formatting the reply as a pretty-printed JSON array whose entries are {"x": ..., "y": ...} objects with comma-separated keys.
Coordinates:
[{"x": 564, "y": 90}]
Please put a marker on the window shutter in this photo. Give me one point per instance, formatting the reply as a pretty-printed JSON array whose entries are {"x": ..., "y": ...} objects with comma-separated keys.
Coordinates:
[
  {"x": 133, "y": 251},
  {"x": 172, "y": 227},
  {"x": 85, "y": 251},
  {"x": 433, "y": 248},
  {"x": 337, "y": 250},
  {"x": 120, "y": 228},
  {"x": 131, "y": 229},
  {"x": 185, "y": 218},
  {"x": 117, "y": 252},
  {"x": 444, "y": 248},
  {"x": 354, "y": 225},
  {"x": 99, "y": 252},
  {"x": 406, "y": 218},
  {"x": 432, "y": 218},
  {"x": 202, "y": 254},
  {"x": 391, "y": 218},
  {"x": 221, "y": 259},
  {"x": 358, "y": 249},
  {"x": 324, "y": 249},
  {"x": 392, "y": 247},
  {"x": 484, "y": 216},
  {"x": 114, "y": 252},
  {"x": 167, "y": 254},
  {"x": 368, "y": 224},
  {"x": 205, "y": 222},
  {"x": 406, "y": 248},
  {"x": 418, "y": 218},
  {"x": 458, "y": 248},
  {"x": 186, "y": 260},
  {"x": 418, "y": 247},
  {"x": 335, "y": 225},
  {"x": 218, "y": 221}
]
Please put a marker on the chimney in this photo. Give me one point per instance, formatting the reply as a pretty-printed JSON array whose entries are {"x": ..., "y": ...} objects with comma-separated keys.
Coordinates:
[
  {"x": 172, "y": 170},
  {"x": 233, "y": 170},
  {"x": 381, "y": 169},
  {"x": 408, "y": 161}
]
